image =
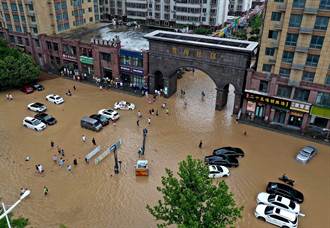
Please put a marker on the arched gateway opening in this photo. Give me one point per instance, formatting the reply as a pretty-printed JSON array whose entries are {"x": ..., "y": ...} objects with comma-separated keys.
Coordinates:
[{"x": 225, "y": 61}]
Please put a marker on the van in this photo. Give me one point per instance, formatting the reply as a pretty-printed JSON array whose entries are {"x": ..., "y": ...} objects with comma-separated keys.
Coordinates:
[{"x": 91, "y": 124}]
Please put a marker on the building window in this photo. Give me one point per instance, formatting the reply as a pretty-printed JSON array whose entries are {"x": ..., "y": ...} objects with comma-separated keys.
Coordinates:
[
  {"x": 49, "y": 45},
  {"x": 272, "y": 34},
  {"x": 267, "y": 67},
  {"x": 323, "y": 99},
  {"x": 298, "y": 4},
  {"x": 263, "y": 86},
  {"x": 284, "y": 91},
  {"x": 13, "y": 7},
  {"x": 270, "y": 51},
  {"x": 18, "y": 28},
  {"x": 27, "y": 42},
  {"x": 35, "y": 30},
  {"x": 284, "y": 72},
  {"x": 19, "y": 40},
  {"x": 312, "y": 60},
  {"x": 287, "y": 56},
  {"x": 90, "y": 9},
  {"x": 276, "y": 16},
  {"x": 106, "y": 57},
  {"x": 301, "y": 94},
  {"x": 12, "y": 39},
  {"x": 316, "y": 42},
  {"x": 55, "y": 46},
  {"x": 291, "y": 39},
  {"x": 321, "y": 23},
  {"x": 4, "y": 5},
  {"x": 91, "y": 19},
  {"x": 37, "y": 42},
  {"x": 295, "y": 20},
  {"x": 327, "y": 80},
  {"x": 308, "y": 76},
  {"x": 325, "y": 4}
]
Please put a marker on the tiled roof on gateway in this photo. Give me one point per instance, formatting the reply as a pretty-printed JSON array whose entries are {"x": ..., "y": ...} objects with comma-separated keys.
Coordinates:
[{"x": 214, "y": 42}]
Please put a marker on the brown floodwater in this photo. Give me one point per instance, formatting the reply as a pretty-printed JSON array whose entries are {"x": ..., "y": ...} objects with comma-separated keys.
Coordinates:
[{"x": 92, "y": 196}]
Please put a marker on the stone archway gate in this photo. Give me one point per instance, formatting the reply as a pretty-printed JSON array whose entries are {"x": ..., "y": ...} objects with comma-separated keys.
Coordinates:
[{"x": 225, "y": 61}]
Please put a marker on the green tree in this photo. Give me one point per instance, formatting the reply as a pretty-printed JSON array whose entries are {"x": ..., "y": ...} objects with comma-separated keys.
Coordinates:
[
  {"x": 15, "y": 223},
  {"x": 16, "y": 68},
  {"x": 202, "y": 31},
  {"x": 255, "y": 23},
  {"x": 193, "y": 201}
]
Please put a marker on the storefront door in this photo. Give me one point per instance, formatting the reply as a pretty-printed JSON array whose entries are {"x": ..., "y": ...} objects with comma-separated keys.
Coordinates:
[
  {"x": 260, "y": 111},
  {"x": 295, "y": 119},
  {"x": 279, "y": 116}
]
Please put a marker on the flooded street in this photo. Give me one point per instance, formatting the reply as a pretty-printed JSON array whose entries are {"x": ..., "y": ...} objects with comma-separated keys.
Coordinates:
[{"x": 92, "y": 196}]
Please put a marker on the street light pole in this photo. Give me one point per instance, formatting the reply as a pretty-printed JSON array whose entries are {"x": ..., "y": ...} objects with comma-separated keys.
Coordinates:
[
  {"x": 145, "y": 132},
  {"x": 116, "y": 160}
]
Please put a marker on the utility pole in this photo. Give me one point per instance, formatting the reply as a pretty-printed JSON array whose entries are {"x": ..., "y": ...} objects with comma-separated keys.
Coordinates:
[
  {"x": 145, "y": 132},
  {"x": 116, "y": 160}
]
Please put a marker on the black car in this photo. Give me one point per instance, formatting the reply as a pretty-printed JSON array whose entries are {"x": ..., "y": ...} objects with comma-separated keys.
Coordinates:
[
  {"x": 38, "y": 87},
  {"x": 102, "y": 119},
  {"x": 228, "y": 161},
  {"x": 285, "y": 190},
  {"x": 45, "y": 118},
  {"x": 229, "y": 151}
]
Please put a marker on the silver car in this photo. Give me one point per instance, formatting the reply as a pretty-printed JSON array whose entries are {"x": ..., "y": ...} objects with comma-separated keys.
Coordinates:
[{"x": 306, "y": 154}]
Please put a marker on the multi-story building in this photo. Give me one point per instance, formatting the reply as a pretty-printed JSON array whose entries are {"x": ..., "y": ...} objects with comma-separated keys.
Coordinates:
[
  {"x": 168, "y": 12},
  {"x": 291, "y": 85},
  {"x": 47, "y": 16},
  {"x": 239, "y": 6}
]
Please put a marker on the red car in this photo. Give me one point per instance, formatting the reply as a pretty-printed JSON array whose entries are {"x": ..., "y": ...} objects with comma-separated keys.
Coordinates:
[{"x": 27, "y": 89}]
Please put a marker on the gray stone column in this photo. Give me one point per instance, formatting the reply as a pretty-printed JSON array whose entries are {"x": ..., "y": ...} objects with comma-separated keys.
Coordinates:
[
  {"x": 237, "y": 102},
  {"x": 220, "y": 101},
  {"x": 151, "y": 83}
]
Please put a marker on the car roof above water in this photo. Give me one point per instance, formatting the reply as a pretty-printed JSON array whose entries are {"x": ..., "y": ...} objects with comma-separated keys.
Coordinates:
[{"x": 88, "y": 119}]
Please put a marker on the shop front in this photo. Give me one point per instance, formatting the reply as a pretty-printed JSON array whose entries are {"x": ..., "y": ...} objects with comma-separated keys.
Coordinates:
[
  {"x": 257, "y": 104},
  {"x": 320, "y": 117},
  {"x": 133, "y": 78},
  {"x": 299, "y": 113},
  {"x": 87, "y": 67},
  {"x": 70, "y": 66}
]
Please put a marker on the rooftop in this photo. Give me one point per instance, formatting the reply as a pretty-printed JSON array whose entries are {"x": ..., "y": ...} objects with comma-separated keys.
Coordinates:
[
  {"x": 206, "y": 41},
  {"x": 131, "y": 38}
]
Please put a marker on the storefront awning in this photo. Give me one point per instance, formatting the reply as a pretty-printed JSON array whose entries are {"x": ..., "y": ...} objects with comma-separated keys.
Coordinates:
[{"x": 321, "y": 112}]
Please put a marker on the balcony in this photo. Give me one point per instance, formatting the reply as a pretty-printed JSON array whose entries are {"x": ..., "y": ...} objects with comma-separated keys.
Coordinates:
[
  {"x": 296, "y": 66},
  {"x": 281, "y": 7},
  {"x": 305, "y": 30},
  {"x": 310, "y": 10},
  {"x": 302, "y": 49},
  {"x": 293, "y": 83},
  {"x": 277, "y": 25}
]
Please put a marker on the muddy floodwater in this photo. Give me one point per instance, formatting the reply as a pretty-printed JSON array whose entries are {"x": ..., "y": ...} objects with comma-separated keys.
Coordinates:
[{"x": 93, "y": 196}]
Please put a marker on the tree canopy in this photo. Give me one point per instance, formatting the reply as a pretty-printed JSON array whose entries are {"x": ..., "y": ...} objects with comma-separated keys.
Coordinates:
[
  {"x": 16, "y": 68},
  {"x": 192, "y": 200}
]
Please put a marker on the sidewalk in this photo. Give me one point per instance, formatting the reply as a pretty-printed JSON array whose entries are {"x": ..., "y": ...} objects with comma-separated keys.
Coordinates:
[{"x": 283, "y": 130}]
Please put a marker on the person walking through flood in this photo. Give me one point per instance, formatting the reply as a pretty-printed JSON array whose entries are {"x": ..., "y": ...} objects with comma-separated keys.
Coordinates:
[
  {"x": 69, "y": 168},
  {"x": 94, "y": 142},
  {"x": 83, "y": 138},
  {"x": 149, "y": 120},
  {"x": 203, "y": 95},
  {"x": 138, "y": 123},
  {"x": 52, "y": 144},
  {"x": 75, "y": 161},
  {"x": 200, "y": 144},
  {"x": 45, "y": 191},
  {"x": 139, "y": 115}
]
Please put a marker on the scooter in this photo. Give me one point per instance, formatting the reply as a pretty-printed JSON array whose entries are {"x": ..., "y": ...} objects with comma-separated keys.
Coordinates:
[{"x": 286, "y": 180}]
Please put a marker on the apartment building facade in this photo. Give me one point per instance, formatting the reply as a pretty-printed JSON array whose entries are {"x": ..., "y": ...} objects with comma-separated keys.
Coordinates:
[
  {"x": 239, "y": 6},
  {"x": 168, "y": 12},
  {"x": 291, "y": 85},
  {"x": 47, "y": 16}
]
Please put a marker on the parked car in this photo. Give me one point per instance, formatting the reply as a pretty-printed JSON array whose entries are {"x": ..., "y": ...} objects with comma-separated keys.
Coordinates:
[
  {"x": 27, "y": 89},
  {"x": 56, "y": 99},
  {"x": 278, "y": 201},
  {"x": 102, "y": 119},
  {"x": 33, "y": 123},
  {"x": 124, "y": 105},
  {"x": 276, "y": 216},
  {"x": 91, "y": 124},
  {"x": 286, "y": 191},
  {"x": 216, "y": 171},
  {"x": 231, "y": 151},
  {"x": 37, "y": 107},
  {"x": 38, "y": 87},
  {"x": 228, "y": 161},
  {"x": 45, "y": 118},
  {"x": 306, "y": 154},
  {"x": 110, "y": 114}
]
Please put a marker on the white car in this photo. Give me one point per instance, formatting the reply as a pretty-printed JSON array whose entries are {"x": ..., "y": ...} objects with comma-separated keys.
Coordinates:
[
  {"x": 124, "y": 105},
  {"x": 109, "y": 114},
  {"x": 276, "y": 216},
  {"x": 216, "y": 171},
  {"x": 56, "y": 99},
  {"x": 37, "y": 107},
  {"x": 278, "y": 201},
  {"x": 33, "y": 123}
]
